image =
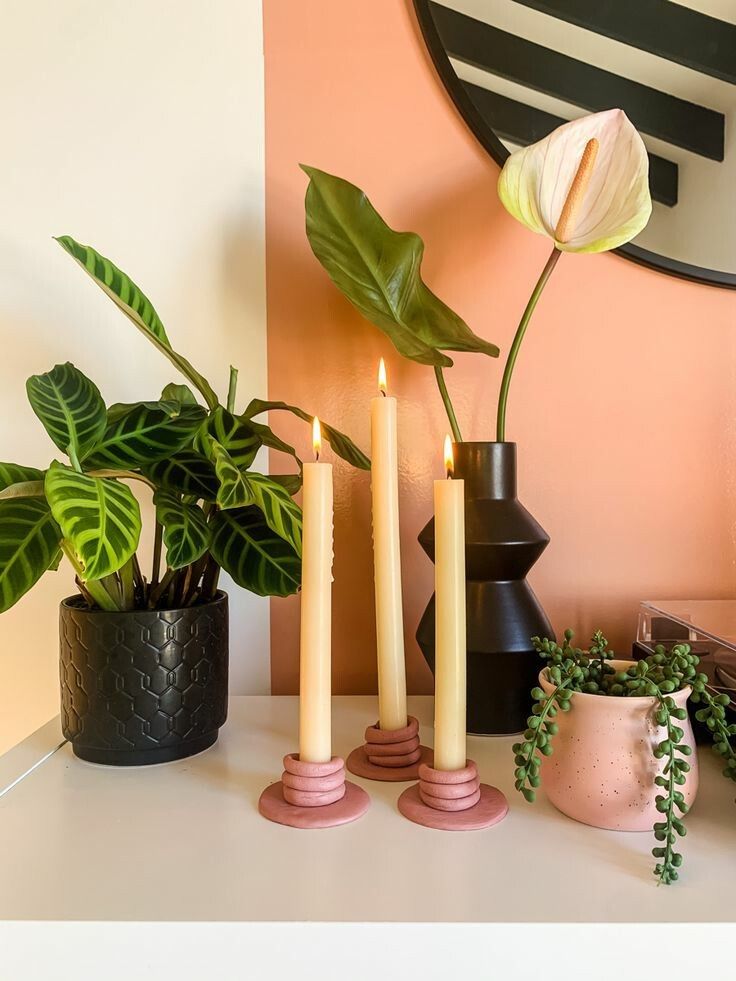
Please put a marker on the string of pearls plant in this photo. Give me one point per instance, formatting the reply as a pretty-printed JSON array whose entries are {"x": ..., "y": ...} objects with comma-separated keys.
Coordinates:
[{"x": 571, "y": 670}]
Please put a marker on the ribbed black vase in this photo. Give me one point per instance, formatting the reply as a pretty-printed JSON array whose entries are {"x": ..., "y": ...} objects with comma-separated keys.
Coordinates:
[
  {"x": 503, "y": 541},
  {"x": 145, "y": 686}
]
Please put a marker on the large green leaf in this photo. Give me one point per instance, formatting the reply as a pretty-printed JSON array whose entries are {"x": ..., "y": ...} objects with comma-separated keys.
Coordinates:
[
  {"x": 136, "y": 306},
  {"x": 143, "y": 433},
  {"x": 29, "y": 545},
  {"x": 255, "y": 557},
  {"x": 99, "y": 517},
  {"x": 186, "y": 533},
  {"x": 241, "y": 488},
  {"x": 340, "y": 443},
  {"x": 185, "y": 472},
  {"x": 234, "y": 433},
  {"x": 70, "y": 407},
  {"x": 379, "y": 271}
]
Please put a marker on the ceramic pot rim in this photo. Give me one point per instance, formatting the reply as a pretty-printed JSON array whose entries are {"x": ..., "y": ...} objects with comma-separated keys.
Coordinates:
[
  {"x": 76, "y": 604},
  {"x": 620, "y": 664}
]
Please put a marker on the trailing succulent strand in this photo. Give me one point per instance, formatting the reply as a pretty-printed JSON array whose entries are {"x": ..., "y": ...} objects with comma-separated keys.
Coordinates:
[{"x": 571, "y": 669}]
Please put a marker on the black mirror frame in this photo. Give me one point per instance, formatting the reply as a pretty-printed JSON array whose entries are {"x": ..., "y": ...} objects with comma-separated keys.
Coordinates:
[{"x": 493, "y": 146}]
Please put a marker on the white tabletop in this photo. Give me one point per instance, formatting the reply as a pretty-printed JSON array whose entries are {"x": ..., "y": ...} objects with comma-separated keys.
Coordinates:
[{"x": 184, "y": 842}]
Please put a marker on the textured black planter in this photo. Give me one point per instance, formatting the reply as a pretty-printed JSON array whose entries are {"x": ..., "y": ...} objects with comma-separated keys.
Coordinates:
[
  {"x": 148, "y": 686},
  {"x": 503, "y": 541}
]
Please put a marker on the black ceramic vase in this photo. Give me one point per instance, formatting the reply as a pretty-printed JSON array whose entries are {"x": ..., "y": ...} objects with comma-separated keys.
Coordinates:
[
  {"x": 503, "y": 541},
  {"x": 145, "y": 686}
]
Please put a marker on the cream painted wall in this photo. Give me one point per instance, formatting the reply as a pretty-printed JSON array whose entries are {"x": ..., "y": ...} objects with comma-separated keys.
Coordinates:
[{"x": 137, "y": 127}]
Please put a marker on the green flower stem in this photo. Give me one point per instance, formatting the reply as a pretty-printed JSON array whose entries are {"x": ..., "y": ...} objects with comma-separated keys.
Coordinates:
[
  {"x": 232, "y": 388},
  {"x": 128, "y": 584},
  {"x": 157, "y": 544},
  {"x": 439, "y": 375},
  {"x": 516, "y": 344},
  {"x": 94, "y": 589}
]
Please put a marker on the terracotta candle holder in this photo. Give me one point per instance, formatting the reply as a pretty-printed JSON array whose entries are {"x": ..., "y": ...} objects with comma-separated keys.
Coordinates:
[
  {"x": 391, "y": 755},
  {"x": 453, "y": 800},
  {"x": 313, "y": 795}
]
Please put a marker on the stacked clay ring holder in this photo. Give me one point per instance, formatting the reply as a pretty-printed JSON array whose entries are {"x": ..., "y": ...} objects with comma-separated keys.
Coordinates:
[
  {"x": 453, "y": 800},
  {"x": 391, "y": 755},
  {"x": 313, "y": 795}
]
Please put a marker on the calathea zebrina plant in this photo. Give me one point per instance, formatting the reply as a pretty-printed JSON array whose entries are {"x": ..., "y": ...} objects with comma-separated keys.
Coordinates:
[{"x": 192, "y": 452}]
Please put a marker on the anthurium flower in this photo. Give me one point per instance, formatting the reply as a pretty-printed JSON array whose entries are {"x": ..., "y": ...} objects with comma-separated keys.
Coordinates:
[{"x": 585, "y": 186}]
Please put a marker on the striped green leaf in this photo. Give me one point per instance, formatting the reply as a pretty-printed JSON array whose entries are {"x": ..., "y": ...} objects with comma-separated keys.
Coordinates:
[
  {"x": 143, "y": 433},
  {"x": 340, "y": 443},
  {"x": 254, "y": 556},
  {"x": 233, "y": 490},
  {"x": 13, "y": 473},
  {"x": 29, "y": 545},
  {"x": 99, "y": 517},
  {"x": 231, "y": 432},
  {"x": 70, "y": 407},
  {"x": 136, "y": 306},
  {"x": 291, "y": 482},
  {"x": 241, "y": 488},
  {"x": 185, "y": 472},
  {"x": 186, "y": 532}
]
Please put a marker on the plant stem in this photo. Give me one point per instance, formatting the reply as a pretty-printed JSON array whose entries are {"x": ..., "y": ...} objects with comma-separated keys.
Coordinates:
[
  {"x": 516, "y": 344},
  {"x": 232, "y": 387},
  {"x": 157, "y": 542},
  {"x": 94, "y": 589},
  {"x": 159, "y": 591},
  {"x": 128, "y": 585},
  {"x": 439, "y": 375}
]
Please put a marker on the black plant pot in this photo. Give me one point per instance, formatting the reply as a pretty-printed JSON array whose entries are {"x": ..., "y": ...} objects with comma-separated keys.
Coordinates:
[
  {"x": 503, "y": 541},
  {"x": 145, "y": 686}
]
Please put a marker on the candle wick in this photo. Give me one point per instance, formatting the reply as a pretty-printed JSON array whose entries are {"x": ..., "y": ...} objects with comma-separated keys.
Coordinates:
[{"x": 383, "y": 393}]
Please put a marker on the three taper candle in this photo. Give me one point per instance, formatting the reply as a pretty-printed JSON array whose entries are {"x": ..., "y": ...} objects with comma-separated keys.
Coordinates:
[
  {"x": 450, "y": 637},
  {"x": 392, "y": 713},
  {"x": 315, "y": 658}
]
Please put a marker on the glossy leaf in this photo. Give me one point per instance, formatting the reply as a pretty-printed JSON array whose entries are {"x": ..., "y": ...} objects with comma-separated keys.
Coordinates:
[
  {"x": 178, "y": 393},
  {"x": 135, "y": 305},
  {"x": 13, "y": 473},
  {"x": 239, "y": 489},
  {"x": 24, "y": 488},
  {"x": 143, "y": 433},
  {"x": 185, "y": 472},
  {"x": 186, "y": 533},
  {"x": 29, "y": 545},
  {"x": 99, "y": 517},
  {"x": 291, "y": 482},
  {"x": 253, "y": 555},
  {"x": 70, "y": 407},
  {"x": 340, "y": 443},
  {"x": 233, "y": 433},
  {"x": 379, "y": 271}
]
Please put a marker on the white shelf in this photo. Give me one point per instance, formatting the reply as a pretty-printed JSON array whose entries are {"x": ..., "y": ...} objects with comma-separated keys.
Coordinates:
[{"x": 185, "y": 842}]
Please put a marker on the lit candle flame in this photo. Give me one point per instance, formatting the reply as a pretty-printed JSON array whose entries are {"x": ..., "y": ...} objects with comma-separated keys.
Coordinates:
[
  {"x": 449, "y": 460},
  {"x": 382, "y": 377},
  {"x": 316, "y": 438}
]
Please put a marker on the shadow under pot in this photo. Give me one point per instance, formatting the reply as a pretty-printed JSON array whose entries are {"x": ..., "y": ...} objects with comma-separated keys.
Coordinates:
[
  {"x": 503, "y": 541},
  {"x": 143, "y": 686}
]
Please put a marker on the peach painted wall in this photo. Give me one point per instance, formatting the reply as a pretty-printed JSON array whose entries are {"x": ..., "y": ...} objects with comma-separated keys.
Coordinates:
[{"x": 624, "y": 399}]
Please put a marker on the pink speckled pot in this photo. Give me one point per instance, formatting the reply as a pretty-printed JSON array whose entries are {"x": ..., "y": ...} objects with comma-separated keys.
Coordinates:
[{"x": 602, "y": 769}]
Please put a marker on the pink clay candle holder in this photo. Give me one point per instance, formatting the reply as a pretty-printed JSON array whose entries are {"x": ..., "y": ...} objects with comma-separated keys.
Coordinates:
[
  {"x": 391, "y": 755},
  {"x": 313, "y": 795},
  {"x": 453, "y": 800}
]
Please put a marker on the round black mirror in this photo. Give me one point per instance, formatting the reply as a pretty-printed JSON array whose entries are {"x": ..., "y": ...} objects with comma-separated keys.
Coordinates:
[{"x": 517, "y": 69}]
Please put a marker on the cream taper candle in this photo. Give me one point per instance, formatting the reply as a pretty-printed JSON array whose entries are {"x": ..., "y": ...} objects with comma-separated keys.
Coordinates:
[
  {"x": 315, "y": 664},
  {"x": 387, "y": 560},
  {"x": 450, "y": 639}
]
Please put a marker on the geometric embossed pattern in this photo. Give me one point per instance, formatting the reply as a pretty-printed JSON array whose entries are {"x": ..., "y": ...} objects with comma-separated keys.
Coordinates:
[{"x": 145, "y": 685}]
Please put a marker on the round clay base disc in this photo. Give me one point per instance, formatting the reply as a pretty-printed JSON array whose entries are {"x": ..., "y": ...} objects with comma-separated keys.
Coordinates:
[
  {"x": 352, "y": 806},
  {"x": 490, "y": 809},
  {"x": 359, "y": 764}
]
